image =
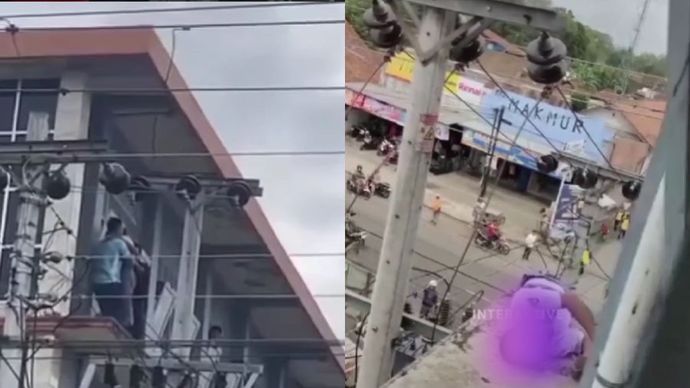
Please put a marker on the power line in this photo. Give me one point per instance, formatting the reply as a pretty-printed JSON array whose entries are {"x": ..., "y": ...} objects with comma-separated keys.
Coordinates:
[
  {"x": 126, "y": 155},
  {"x": 64, "y": 91},
  {"x": 153, "y": 10},
  {"x": 191, "y": 26},
  {"x": 215, "y": 296}
]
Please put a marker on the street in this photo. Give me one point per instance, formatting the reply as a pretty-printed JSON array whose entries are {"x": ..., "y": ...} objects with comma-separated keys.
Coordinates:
[{"x": 438, "y": 248}]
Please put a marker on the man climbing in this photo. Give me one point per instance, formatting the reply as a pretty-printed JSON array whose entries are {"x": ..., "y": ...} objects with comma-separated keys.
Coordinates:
[{"x": 111, "y": 256}]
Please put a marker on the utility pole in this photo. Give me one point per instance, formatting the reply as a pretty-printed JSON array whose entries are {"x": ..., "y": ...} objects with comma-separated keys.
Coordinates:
[
  {"x": 406, "y": 203},
  {"x": 493, "y": 142},
  {"x": 31, "y": 201}
]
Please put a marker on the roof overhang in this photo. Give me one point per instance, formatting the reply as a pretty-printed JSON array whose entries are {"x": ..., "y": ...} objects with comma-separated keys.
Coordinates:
[{"x": 97, "y": 42}]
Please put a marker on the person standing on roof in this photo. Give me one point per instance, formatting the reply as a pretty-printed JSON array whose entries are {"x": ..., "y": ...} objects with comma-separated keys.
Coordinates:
[
  {"x": 429, "y": 299},
  {"x": 111, "y": 254}
]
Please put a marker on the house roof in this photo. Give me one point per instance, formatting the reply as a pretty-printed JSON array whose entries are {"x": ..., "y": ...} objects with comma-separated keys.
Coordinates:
[
  {"x": 645, "y": 115},
  {"x": 360, "y": 59},
  {"x": 510, "y": 47},
  {"x": 144, "y": 41}
]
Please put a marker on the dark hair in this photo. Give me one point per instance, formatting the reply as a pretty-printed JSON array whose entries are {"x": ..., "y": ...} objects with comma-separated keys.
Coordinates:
[
  {"x": 214, "y": 331},
  {"x": 113, "y": 224}
]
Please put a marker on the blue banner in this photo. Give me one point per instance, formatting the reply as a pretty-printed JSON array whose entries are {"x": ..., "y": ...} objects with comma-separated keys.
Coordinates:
[
  {"x": 558, "y": 125},
  {"x": 566, "y": 213}
]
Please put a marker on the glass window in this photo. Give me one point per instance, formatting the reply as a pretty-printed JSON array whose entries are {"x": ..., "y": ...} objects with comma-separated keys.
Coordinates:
[
  {"x": 37, "y": 101},
  {"x": 8, "y": 211},
  {"x": 7, "y": 100}
]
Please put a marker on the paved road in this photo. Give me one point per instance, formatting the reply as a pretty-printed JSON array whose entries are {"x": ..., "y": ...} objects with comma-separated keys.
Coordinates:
[{"x": 438, "y": 249}]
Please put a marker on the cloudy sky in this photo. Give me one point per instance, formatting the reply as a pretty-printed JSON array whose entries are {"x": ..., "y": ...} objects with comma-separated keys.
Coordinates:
[
  {"x": 619, "y": 18},
  {"x": 303, "y": 195}
]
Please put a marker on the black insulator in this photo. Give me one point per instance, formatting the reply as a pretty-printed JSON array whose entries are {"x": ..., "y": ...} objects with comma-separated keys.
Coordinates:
[
  {"x": 56, "y": 185},
  {"x": 631, "y": 190},
  {"x": 547, "y": 59},
  {"x": 188, "y": 187},
  {"x": 547, "y": 164},
  {"x": 115, "y": 178},
  {"x": 239, "y": 193}
]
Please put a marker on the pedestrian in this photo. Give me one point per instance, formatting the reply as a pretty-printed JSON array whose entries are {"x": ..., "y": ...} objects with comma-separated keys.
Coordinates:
[
  {"x": 429, "y": 299},
  {"x": 625, "y": 224},
  {"x": 543, "y": 221},
  {"x": 111, "y": 254},
  {"x": 530, "y": 242},
  {"x": 585, "y": 260},
  {"x": 617, "y": 220},
  {"x": 436, "y": 209}
]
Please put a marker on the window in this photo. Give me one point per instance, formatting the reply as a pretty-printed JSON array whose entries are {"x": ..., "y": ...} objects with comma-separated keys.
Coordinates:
[{"x": 16, "y": 104}]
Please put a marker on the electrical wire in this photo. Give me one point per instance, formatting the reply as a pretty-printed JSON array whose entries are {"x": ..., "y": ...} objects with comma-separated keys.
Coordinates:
[
  {"x": 481, "y": 215},
  {"x": 64, "y": 91},
  {"x": 386, "y": 59},
  {"x": 190, "y": 26},
  {"x": 582, "y": 125},
  {"x": 359, "y": 337},
  {"x": 130, "y": 155},
  {"x": 154, "y": 125},
  {"x": 152, "y": 10},
  {"x": 215, "y": 296}
]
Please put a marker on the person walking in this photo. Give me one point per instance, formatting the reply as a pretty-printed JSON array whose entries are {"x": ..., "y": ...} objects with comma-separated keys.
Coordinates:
[
  {"x": 530, "y": 242},
  {"x": 585, "y": 260},
  {"x": 625, "y": 224},
  {"x": 617, "y": 220},
  {"x": 436, "y": 206},
  {"x": 111, "y": 254}
]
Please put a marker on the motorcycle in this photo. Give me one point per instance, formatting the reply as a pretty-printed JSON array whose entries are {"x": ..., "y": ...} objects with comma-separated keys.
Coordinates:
[
  {"x": 363, "y": 134},
  {"x": 356, "y": 130},
  {"x": 383, "y": 190},
  {"x": 385, "y": 148},
  {"x": 359, "y": 187},
  {"x": 369, "y": 142},
  {"x": 500, "y": 245},
  {"x": 393, "y": 159}
]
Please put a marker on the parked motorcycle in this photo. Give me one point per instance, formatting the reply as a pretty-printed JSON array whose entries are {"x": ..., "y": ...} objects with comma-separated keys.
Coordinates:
[
  {"x": 383, "y": 190},
  {"x": 369, "y": 142},
  {"x": 385, "y": 148},
  {"x": 363, "y": 134},
  {"x": 356, "y": 131},
  {"x": 500, "y": 245},
  {"x": 359, "y": 187}
]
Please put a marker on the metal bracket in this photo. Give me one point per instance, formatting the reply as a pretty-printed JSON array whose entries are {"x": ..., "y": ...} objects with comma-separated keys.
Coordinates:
[
  {"x": 445, "y": 41},
  {"x": 509, "y": 12}
]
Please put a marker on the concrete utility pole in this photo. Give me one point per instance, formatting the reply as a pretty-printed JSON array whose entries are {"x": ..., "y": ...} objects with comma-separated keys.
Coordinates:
[
  {"x": 30, "y": 203},
  {"x": 435, "y": 33},
  {"x": 406, "y": 203}
]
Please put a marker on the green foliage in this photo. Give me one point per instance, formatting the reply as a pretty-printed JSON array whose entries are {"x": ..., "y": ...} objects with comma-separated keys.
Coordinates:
[
  {"x": 583, "y": 43},
  {"x": 579, "y": 101}
]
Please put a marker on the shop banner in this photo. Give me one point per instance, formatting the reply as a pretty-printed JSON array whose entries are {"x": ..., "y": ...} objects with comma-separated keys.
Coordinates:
[
  {"x": 566, "y": 213},
  {"x": 401, "y": 66},
  {"x": 558, "y": 125},
  {"x": 375, "y": 107}
]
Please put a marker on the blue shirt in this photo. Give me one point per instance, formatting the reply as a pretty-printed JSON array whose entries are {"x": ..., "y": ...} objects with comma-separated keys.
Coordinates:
[{"x": 106, "y": 266}]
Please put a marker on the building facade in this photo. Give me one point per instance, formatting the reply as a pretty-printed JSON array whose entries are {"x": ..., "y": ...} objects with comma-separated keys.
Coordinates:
[{"x": 212, "y": 266}]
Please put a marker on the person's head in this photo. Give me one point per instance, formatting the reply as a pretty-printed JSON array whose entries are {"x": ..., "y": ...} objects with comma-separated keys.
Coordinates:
[
  {"x": 215, "y": 332},
  {"x": 542, "y": 211},
  {"x": 438, "y": 197},
  {"x": 114, "y": 226},
  {"x": 359, "y": 168},
  {"x": 432, "y": 284}
]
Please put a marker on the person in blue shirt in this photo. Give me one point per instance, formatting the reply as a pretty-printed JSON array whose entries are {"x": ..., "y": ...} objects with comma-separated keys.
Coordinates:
[{"x": 110, "y": 262}]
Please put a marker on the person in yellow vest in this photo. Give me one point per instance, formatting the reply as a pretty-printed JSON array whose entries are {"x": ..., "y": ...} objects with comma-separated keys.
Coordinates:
[
  {"x": 436, "y": 209},
  {"x": 585, "y": 260},
  {"x": 617, "y": 221},
  {"x": 625, "y": 224}
]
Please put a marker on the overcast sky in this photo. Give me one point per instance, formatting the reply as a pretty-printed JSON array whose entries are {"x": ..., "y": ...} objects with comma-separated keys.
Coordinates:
[
  {"x": 619, "y": 18},
  {"x": 303, "y": 195}
]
